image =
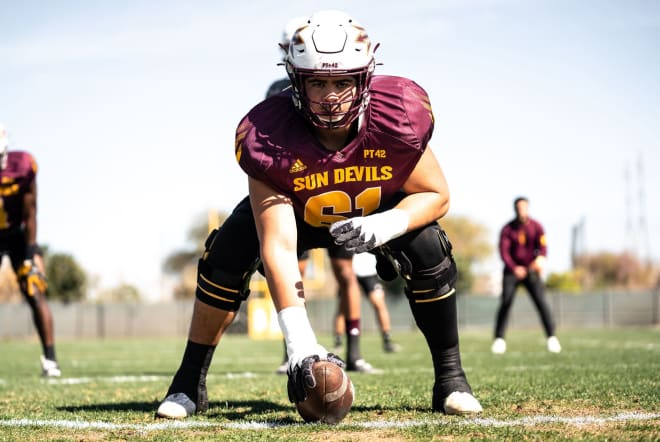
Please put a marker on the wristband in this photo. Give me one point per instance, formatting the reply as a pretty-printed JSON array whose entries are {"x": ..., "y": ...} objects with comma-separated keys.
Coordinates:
[
  {"x": 296, "y": 328},
  {"x": 397, "y": 220}
]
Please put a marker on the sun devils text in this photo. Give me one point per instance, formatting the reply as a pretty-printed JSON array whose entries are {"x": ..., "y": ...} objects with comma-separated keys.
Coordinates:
[{"x": 343, "y": 175}]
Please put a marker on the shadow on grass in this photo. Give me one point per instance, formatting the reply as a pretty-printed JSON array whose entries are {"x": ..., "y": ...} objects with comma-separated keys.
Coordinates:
[{"x": 225, "y": 410}]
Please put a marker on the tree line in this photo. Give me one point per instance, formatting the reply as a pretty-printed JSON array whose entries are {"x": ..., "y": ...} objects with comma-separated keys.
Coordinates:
[{"x": 471, "y": 240}]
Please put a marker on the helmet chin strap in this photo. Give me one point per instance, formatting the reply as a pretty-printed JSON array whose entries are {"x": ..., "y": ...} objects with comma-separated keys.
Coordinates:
[
  {"x": 331, "y": 119},
  {"x": 360, "y": 119},
  {"x": 328, "y": 119}
]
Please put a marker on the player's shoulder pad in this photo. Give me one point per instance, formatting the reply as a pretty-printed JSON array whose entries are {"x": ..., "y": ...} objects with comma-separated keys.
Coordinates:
[
  {"x": 268, "y": 115},
  {"x": 260, "y": 135},
  {"x": 405, "y": 102},
  {"x": 23, "y": 162}
]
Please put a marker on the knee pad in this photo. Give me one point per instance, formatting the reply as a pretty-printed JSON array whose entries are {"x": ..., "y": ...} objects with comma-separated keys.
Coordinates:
[
  {"x": 219, "y": 288},
  {"x": 440, "y": 285},
  {"x": 434, "y": 280}
]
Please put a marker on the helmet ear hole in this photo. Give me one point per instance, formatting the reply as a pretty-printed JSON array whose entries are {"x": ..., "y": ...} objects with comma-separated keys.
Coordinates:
[{"x": 330, "y": 43}]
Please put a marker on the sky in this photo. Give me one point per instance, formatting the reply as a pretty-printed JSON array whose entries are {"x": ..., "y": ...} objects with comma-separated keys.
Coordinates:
[{"x": 130, "y": 109}]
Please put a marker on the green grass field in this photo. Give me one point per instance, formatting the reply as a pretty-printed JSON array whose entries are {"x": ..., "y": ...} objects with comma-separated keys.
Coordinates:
[{"x": 605, "y": 385}]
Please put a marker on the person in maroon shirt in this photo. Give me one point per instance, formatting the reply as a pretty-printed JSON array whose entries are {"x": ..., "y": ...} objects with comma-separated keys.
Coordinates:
[
  {"x": 340, "y": 158},
  {"x": 18, "y": 240},
  {"x": 523, "y": 249}
]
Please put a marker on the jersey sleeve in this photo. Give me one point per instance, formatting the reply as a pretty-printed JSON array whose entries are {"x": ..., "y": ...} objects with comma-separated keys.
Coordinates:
[
  {"x": 541, "y": 245},
  {"x": 24, "y": 166},
  {"x": 262, "y": 138},
  {"x": 401, "y": 109},
  {"x": 505, "y": 246},
  {"x": 244, "y": 151},
  {"x": 417, "y": 105},
  {"x": 32, "y": 173}
]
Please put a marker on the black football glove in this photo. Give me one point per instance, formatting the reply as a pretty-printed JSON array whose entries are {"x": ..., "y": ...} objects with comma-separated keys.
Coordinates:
[
  {"x": 363, "y": 233},
  {"x": 301, "y": 377}
]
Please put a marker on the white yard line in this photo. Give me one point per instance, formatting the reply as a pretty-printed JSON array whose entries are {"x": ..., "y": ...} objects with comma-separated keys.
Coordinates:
[
  {"x": 124, "y": 379},
  {"x": 106, "y": 379},
  {"x": 253, "y": 425}
]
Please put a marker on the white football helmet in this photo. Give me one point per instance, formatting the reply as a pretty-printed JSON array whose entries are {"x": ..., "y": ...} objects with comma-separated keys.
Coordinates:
[
  {"x": 331, "y": 43},
  {"x": 289, "y": 29},
  {"x": 4, "y": 145}
]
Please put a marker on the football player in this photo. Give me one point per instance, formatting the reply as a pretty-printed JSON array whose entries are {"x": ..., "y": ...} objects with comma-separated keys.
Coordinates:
[
  {"x": 341, "y": 260},
  {"x": 340, "y": 158},
  {"x": 18, "y": 240}
]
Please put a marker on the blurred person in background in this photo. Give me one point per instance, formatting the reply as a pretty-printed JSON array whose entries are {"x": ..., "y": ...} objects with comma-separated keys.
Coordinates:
[
  {"x": 18, "y": 241},
  {"x": 523, "y": 249},
  {"x": 364, "y": 266}
]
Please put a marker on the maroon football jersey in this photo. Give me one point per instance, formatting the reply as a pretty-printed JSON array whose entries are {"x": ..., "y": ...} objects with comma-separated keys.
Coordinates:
[
  {"x": 274, "y": 144},
  {"x": 15, "y": 181},
  {"x": 520, "y": 243}
]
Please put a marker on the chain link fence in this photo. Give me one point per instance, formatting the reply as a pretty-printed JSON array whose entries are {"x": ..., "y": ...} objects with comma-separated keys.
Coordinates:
[{"x": 88, "y": 321}]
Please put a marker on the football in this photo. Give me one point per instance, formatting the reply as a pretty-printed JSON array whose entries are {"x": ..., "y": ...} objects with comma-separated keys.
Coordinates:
[{"x": 331, "y": 399}]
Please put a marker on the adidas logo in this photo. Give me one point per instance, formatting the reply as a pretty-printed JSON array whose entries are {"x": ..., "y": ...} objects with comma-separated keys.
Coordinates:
[{"x": 298, "y": 166}]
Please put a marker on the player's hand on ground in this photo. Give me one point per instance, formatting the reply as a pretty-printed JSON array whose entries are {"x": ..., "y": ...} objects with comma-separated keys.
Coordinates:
[
  {"x": 301, "y": 376},
  {"x": 336, "y": 360}
]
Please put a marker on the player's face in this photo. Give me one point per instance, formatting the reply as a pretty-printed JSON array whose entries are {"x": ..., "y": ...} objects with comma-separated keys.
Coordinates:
[
  {"x": 522, "y": 210},
  {"x": 330, "y": 98}
]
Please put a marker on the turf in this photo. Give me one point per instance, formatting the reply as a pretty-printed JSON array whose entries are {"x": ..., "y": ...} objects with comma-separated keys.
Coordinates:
[{"x": 605, "y": 385}]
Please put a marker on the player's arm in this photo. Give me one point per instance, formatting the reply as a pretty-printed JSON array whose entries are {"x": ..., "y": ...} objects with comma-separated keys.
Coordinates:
[
  {"x": 538, "y": 264},
  {"x": 426, "y": 200},
  {"x": 276, "y": 226},
  {"x": 31, "y": 274},
  {"x": 505, "y": 249},
  {"x": 30, "y": 213},
  {"x": 32, "y": 252}
]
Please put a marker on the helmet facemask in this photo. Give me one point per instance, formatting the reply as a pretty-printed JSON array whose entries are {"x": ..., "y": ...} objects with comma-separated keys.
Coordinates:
[
  {"x": 330, "y": 115},
  {"x": 330, "y": 44}
]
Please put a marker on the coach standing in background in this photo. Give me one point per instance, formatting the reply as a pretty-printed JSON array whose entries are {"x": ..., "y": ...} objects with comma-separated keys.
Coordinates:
[{"x": 523, "y": 249}]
